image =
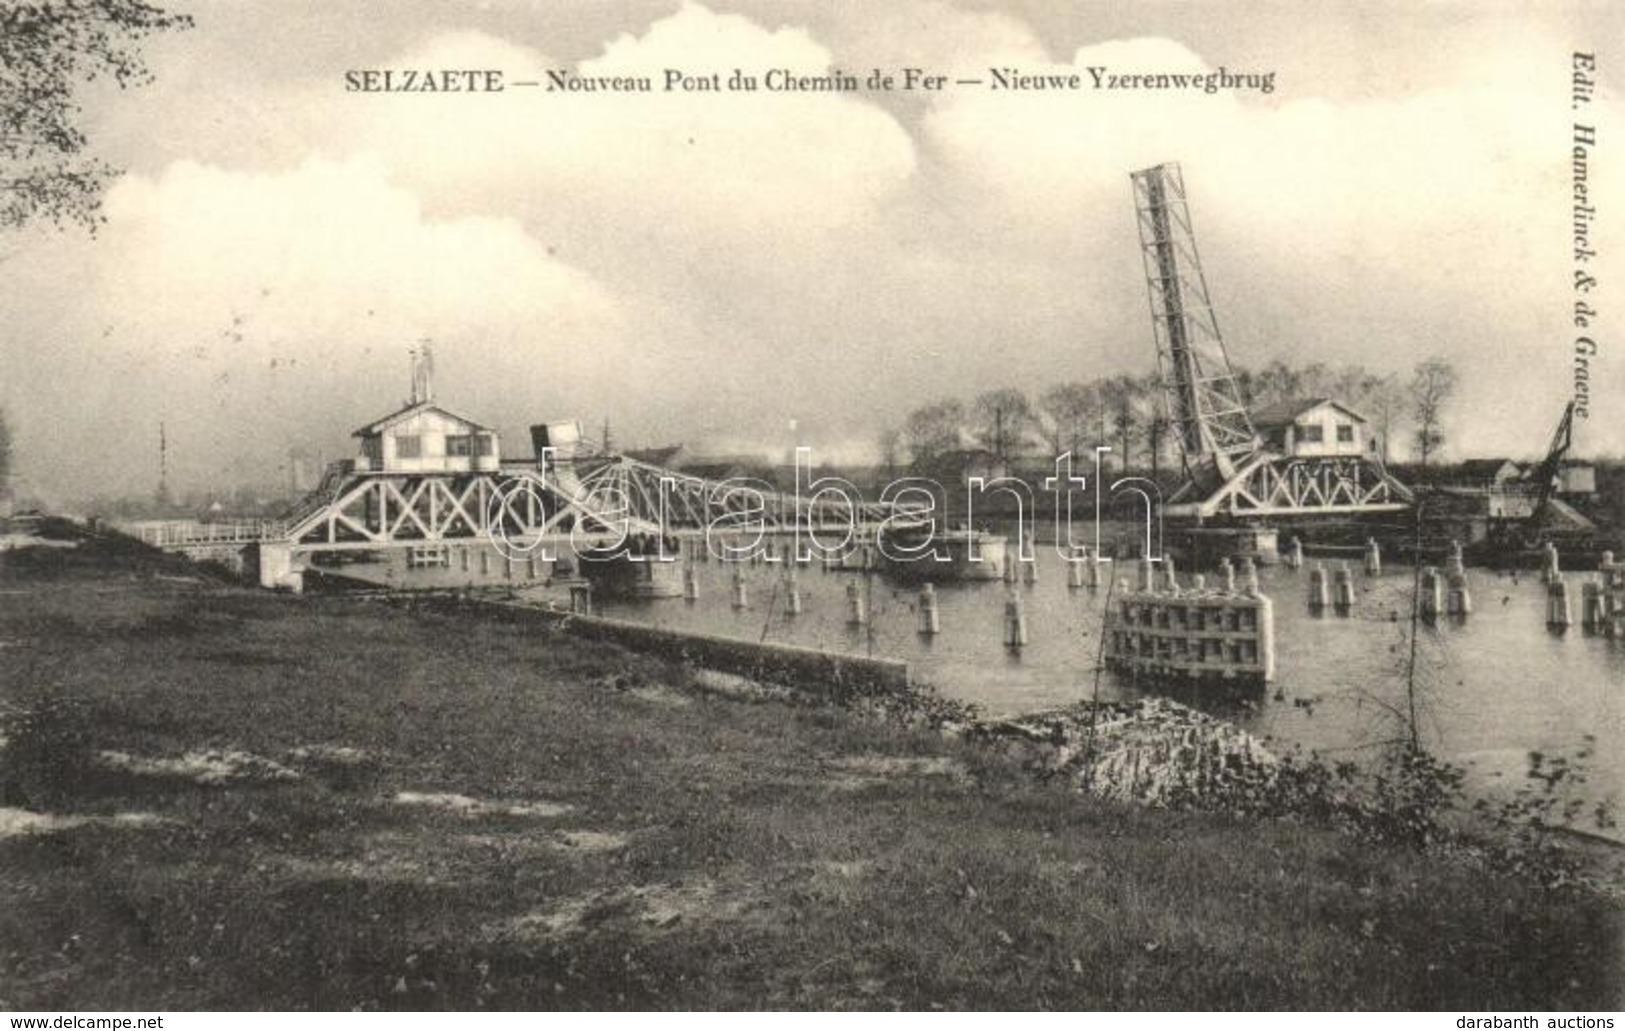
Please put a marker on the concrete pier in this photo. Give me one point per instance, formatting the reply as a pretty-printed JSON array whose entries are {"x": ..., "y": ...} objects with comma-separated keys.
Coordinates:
[
  {"x": 1074, "y": 568},
  {"x": 1170, "y": 576},
  {"x": 1249, "y": 574},
  {"x": 792, "y": 594},
  {"x": 1343, "y": 589},
  {"x": 930, "y": 624},
  {"x": 691, "y": 583},
  {"x": 1294, "y": 554},
  {"x": 1551, "y": 570},
  {"x": 1593, "y": 606},
  {"x": 1373, "y": 557},
  {"x": 1205, "y": 635},
  {"x": 581, "y": 598},
  {"x": 857, "y": 613},
  {"x": 1456, "y": 564},
  {"x": 1227, "y": 575},
  {"x": 1559, "y": 614},
  {"x": 1319, "y": 596},
  {"x": 1015, "y": 623},
  {"x": 741, "y": 595},
  {"x": 1458, "y": 597},
  {"x": 1431, "y": 588}
]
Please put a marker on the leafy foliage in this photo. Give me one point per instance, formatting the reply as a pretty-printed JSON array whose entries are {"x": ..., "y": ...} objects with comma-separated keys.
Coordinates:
[
  {"x": 48, "y": 48},
  {"x": 1419, "y": 801}
]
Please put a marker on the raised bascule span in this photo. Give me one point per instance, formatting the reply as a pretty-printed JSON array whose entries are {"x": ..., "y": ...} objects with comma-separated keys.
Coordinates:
[{"x": 1232, "y": 472}]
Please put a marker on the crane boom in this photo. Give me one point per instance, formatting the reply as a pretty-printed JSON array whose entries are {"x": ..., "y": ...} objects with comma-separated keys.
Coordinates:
[
  {"x": 1205, "y": 406},
  {"x": 1544, "y": 476}
]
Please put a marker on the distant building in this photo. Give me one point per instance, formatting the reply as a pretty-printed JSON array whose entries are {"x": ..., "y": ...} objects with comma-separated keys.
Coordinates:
[
  {"x": 425, "y": 438},
  {"x": 1577, "y": 478},
  {"x": 1316, "y": 427}
]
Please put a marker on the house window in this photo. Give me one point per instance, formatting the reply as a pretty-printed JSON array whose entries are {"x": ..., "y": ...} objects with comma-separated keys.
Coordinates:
[
  {"x": 459, "y": 446},
  {"x": 1312, "y": 434},
  {"x": 483, "y": 445},
  {"x": 1345, "y": 434},
  {"x": 409, "y": 447}
]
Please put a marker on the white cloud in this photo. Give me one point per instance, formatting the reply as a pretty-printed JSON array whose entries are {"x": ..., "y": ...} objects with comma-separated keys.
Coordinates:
[
  {"x": 702, "y": 264},
  {"x": 664, "y": 166},
  {"x": 256, "y": 311}
]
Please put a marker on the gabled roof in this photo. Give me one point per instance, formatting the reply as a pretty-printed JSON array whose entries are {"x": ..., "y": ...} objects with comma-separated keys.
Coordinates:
[
  {"x": 410, "y": 410},
  {"x": 1283, "y": 412}
]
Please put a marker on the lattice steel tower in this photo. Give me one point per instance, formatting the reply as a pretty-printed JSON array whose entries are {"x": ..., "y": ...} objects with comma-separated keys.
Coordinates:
[{"x": 1205, "y": 404}]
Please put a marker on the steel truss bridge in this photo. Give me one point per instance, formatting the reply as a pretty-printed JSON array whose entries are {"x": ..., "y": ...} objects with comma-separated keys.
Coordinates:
[
  {"x": 604, "y": 503},
  {"x": 1230, "y": 473},
  {"x": 518, "y": 504},
  {"x": 686, "y": 505}
]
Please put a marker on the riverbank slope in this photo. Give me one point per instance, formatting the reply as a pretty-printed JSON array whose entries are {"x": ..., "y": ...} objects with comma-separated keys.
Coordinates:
[{"x": 220, "y": 798}]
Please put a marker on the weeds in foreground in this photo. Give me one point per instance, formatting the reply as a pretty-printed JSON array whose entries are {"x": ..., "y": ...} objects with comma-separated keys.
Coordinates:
[{"x": 1419, "y": 801}]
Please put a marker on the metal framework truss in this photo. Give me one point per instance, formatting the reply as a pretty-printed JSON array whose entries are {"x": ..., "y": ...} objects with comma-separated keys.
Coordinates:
[
  {"x": 1204, "y": 402},
  {"x": 688, "y": 503},
  {"x": 1270, "y": 484},
  {"x": 380, "y": 510}
]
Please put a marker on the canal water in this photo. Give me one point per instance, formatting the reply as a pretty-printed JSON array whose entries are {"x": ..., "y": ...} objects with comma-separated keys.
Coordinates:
[{"x": 1490, "y": 688}]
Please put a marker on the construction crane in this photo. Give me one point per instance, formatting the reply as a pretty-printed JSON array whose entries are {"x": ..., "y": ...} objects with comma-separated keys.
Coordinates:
[
  {"x": 1230, "y": 470},
  {"x": 1544, "y": 477}
]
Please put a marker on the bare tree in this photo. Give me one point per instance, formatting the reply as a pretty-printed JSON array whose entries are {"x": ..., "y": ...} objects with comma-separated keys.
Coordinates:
[
  {"x": 1068, "y": 412},
  {"x": 1432, "y": 386},
  {"x": 1123, "y": 395},
  {"x": 1003, "y": 418},
  {"x": 933, "y": 429},
  {"x": 891, "y": 449},
  {"x": 47, "y": 49},
  {"x": 1382, "y": 400},
  {"x": 1276, "y": 381}
]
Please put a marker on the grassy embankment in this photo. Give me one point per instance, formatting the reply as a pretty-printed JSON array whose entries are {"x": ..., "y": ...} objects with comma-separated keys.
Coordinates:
[{"x": 463, "y": 815}]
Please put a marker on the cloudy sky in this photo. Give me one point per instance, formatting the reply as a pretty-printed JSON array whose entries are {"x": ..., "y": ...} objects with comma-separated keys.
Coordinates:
[{"x": 708, "y": 267}]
